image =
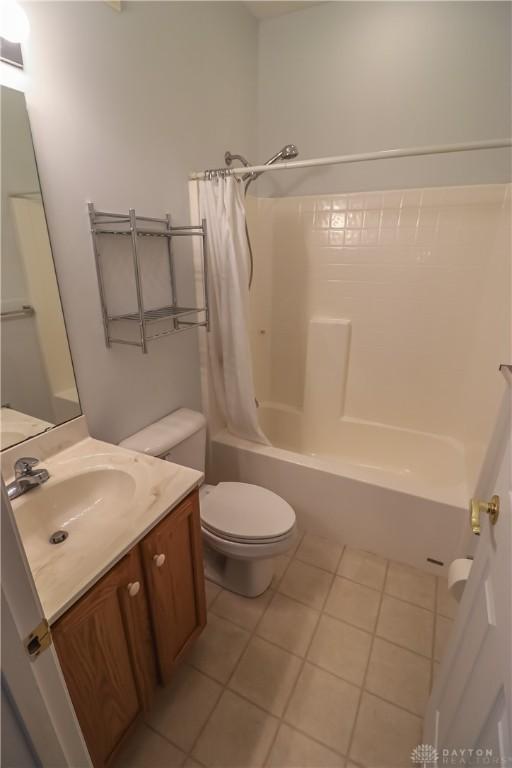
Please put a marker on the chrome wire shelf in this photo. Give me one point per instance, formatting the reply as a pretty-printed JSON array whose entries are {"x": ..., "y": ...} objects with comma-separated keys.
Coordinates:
[
  {"x": 133, "y": 226},
  {"x": 154, "y": 315}
]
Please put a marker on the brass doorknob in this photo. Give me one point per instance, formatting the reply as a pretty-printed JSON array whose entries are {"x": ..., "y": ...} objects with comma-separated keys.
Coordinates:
[{"x": 492, "y": 508}]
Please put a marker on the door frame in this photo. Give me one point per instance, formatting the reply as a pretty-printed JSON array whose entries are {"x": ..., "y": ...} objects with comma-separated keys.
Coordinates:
[{"x": 37, "y": 686}]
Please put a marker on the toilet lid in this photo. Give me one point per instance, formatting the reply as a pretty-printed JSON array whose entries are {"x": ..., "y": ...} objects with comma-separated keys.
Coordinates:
[{"x": 244, "y": 512}]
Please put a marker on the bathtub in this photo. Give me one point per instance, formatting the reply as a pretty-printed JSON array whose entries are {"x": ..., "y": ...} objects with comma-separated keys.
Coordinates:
[{"x": 396, "y": 492}]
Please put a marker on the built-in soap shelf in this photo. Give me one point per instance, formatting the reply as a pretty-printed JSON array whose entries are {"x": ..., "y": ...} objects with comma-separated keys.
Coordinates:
[{"x": 173, "y": 317}]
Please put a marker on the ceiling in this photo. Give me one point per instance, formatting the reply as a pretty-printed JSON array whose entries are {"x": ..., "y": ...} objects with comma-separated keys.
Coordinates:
[{"x": 265, "y": 9}]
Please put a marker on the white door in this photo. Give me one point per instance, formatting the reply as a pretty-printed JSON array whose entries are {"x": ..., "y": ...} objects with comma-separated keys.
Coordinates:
[
  {"x": 471, "y": 704},
  {"x": 36, "y": 687}
]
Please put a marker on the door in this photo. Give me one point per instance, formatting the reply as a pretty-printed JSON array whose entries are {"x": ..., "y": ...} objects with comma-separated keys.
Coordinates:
[
  {"x": 173, "y": 564},
  {"x": 36, "y": 686},
  {"x": 105, "y": 649},
  {"x": 471, "y": 705}
]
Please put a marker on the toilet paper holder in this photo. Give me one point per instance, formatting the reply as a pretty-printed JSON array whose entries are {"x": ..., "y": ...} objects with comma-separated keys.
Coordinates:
[{"x": 476, "y": 507}]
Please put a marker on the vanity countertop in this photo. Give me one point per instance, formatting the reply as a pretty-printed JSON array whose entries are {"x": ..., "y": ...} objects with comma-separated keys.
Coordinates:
[{"x": 106, "y": 498}]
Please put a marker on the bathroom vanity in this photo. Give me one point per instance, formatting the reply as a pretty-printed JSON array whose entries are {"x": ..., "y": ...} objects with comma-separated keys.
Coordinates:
[{"x": 131, "y": 628}]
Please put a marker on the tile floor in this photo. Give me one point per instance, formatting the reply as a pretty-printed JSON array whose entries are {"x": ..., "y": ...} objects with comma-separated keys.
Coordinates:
[{"x": 332, "y": 667}]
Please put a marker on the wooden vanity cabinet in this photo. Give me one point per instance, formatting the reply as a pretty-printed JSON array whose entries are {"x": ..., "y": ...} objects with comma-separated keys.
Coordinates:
[
  {"x": 104, "y": 645},
  {"x": 173, "y": 564},
  {"x": 131, "y": 627}
]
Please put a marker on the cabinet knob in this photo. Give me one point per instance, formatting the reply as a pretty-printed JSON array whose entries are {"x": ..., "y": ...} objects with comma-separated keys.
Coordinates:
[
  {"x": 159, "y": 560},
  {"x": 133, "y": 588}
]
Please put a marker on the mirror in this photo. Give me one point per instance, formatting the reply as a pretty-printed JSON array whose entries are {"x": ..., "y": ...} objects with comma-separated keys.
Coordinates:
[{"x": 38, "y": 388}]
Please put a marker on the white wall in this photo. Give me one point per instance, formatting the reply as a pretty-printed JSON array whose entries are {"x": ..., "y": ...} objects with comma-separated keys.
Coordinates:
[
  {"x": 122, "y": 107},
  {"x": 346, "y": 77}
]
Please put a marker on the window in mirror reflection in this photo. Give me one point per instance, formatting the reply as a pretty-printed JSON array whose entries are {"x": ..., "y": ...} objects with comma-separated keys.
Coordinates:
[{"x": 38, "y": 389}]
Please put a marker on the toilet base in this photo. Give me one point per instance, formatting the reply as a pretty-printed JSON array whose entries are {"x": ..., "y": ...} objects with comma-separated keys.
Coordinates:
[{"x": 249, "y": 578}]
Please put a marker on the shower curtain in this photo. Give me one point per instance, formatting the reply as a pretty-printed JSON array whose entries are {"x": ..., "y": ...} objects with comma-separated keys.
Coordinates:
[{"x": 221, "y": 203}]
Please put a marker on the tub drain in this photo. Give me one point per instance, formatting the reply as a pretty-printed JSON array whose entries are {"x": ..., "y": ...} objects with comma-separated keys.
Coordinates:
[{"x": 58, "y": 537}]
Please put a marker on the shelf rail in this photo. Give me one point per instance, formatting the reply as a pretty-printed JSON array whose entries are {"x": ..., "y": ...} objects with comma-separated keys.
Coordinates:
[{"x": 105, "y": 223}]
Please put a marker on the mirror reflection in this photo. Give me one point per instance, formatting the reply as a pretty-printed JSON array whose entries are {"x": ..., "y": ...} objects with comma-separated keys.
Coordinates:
[{"x": 38, "y": 389}]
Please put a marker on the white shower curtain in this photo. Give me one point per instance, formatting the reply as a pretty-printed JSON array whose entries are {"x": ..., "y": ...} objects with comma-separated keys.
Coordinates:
[{"x": 222, "y": 205}]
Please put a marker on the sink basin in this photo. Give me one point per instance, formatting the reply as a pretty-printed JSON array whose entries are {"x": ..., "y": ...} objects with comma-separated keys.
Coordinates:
[{"x": 68, "y": 504}]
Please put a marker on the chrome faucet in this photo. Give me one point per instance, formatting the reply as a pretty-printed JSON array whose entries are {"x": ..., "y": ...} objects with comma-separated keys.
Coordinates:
[{"x": 26, "y": 478}]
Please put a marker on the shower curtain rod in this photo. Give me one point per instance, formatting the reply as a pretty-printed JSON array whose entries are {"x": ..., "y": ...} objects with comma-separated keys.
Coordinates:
[{"x": 384, "y": 154}]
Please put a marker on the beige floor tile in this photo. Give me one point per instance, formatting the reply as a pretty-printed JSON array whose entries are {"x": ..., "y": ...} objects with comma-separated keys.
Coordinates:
[
  {"x": 353, "y": 603},
  {"x": 244, "y": 611},
  {"x": 266, "y": 675},
  {"x": 305, "y": 583},
  {"x": 147, "y": 749},
  {"x": 320, "y": 552},
  {"x": 288, "y": 624},
  {"x": 411, "y": 584},
  {"x": 341, "y": 648},
  {"x": 446, "y": 604},
  {"x": 443, "y": 629},
  {"x": 407, "y": 625},
  {"x": 363, "y": 567},
  {"x": 281, "y": 563},
  {"x": 384, "y": 735},
  {"x": 180, "y": 710},
  {"x": 189, "y": 763},
  {"x": 324, "y": 707},
  {"x": 211, "y": 590},
  {"x": 294, "y": 750},
  {"x": 219, "y": 648},
  {"x": 237, "y": 734},
  {"x": 399, "y": 675}
]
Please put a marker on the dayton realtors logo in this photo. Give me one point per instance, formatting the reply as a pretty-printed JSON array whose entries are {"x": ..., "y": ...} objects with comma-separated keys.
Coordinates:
[{"x": 425, "y": 755}]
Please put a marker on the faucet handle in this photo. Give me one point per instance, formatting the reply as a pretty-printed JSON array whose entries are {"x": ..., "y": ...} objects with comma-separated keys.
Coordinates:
[{"x": 24, "y": 466}]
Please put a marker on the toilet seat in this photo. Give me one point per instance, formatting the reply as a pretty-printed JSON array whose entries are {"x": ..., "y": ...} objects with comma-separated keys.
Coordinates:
[{"x": 246, "y": 514}]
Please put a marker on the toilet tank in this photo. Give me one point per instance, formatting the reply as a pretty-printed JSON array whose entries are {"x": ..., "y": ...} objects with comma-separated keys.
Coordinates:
[{"x": 179, "y": 437}]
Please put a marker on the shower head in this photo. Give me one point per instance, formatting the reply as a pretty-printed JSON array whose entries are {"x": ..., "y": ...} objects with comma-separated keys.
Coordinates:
[{"x": 288, "y": 152}]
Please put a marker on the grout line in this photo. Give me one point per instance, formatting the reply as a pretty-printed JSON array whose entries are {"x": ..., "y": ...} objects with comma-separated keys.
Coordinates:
[
  {"x": 359, "y": 583},
  {"x": 224, "y": 686},
  {"x": 305, "y": 660},
  {"x": 301, "y": 669},
  {"x": 162, "y": 736},
  {"x": 363, "y": 682}
]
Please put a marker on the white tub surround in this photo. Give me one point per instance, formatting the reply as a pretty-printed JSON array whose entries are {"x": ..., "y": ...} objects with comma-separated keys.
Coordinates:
[{"x": 106, "y": 497}]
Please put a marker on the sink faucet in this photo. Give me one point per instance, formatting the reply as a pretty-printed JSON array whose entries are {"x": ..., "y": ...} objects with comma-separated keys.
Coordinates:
[{"x": 26, "y": 478}]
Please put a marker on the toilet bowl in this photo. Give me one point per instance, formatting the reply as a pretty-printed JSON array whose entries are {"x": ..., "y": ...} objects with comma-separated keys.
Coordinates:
[{"x": 244, "y": 526}]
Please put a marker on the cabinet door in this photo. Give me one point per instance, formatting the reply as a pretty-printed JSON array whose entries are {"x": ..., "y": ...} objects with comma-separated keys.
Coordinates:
[
  {"x": 173, "y": 564},
  {"x": 104, "y": 645}
]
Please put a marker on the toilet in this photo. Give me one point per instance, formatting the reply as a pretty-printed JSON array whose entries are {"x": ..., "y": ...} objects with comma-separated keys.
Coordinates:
[{"x": 244, "y": 526}]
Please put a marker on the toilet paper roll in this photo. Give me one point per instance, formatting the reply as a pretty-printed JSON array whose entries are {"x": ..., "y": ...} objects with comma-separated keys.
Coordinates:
[{"x": 458, "y": 574}]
